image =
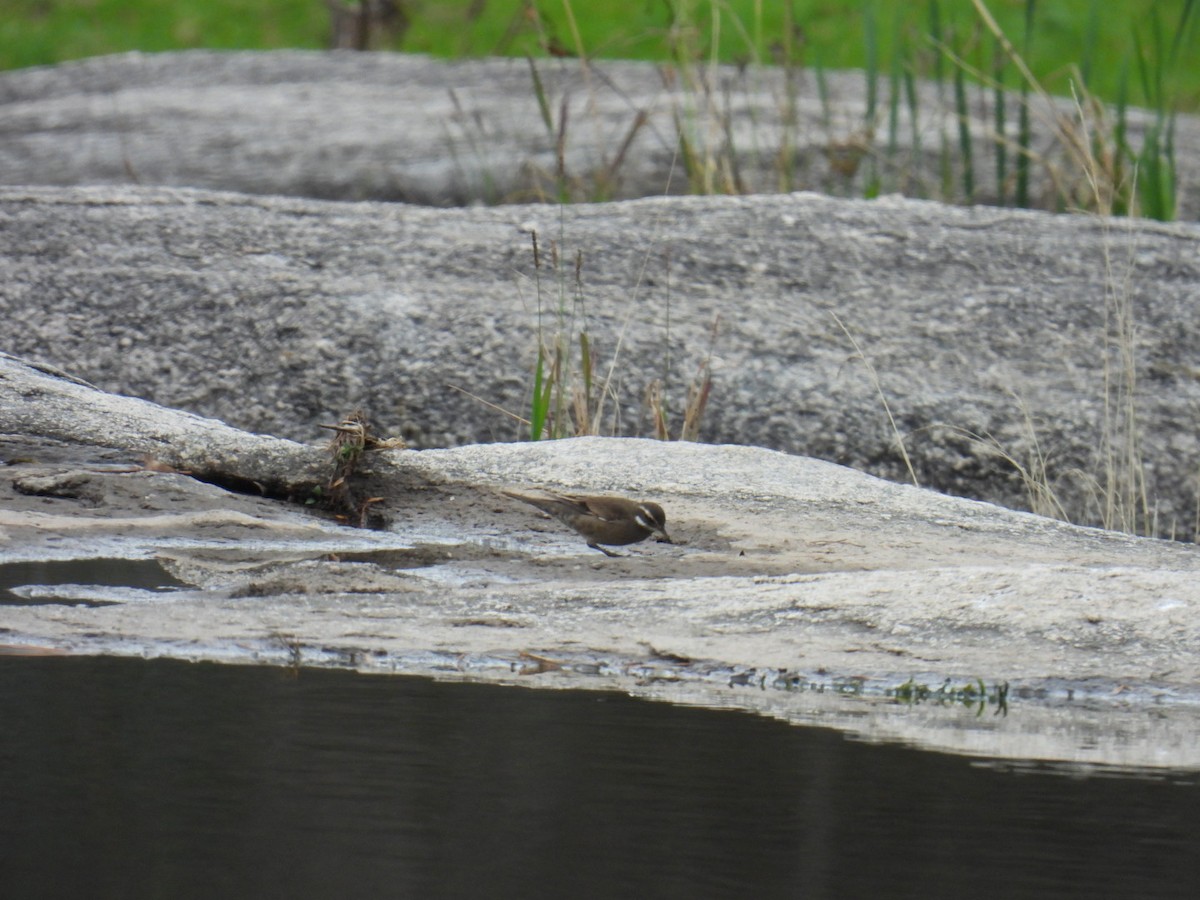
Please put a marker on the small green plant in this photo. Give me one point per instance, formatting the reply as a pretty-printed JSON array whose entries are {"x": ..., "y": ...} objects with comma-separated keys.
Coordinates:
[
  {"x": 569, "y": 396},
  {"x": 971, "y": 694},
  {"x": 565, "y": 400}
]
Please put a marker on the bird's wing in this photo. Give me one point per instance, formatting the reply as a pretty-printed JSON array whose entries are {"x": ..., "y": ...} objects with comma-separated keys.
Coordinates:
[{"x": 594, "y": 507}]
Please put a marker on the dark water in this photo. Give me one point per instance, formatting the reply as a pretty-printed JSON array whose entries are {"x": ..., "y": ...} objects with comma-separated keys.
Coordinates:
[
  {"x": 124, "y": 778},
  {"x": 45, "y": 575}
]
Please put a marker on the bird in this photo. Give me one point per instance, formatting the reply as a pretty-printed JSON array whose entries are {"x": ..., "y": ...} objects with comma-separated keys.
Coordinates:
[{"x": 603, "y": 520}]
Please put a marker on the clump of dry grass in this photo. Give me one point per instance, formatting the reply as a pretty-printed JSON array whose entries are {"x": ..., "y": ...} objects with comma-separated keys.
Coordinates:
[
  {"x": 572, "y": 392},
  {"x": 352, "y": 437}
]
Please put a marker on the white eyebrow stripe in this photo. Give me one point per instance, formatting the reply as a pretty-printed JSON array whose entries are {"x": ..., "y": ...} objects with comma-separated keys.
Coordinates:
[{"x": 638, "y": 518}]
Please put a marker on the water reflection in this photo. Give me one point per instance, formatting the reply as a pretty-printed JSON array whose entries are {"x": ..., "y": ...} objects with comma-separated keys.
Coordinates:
[{"x": 129, "y": 778}]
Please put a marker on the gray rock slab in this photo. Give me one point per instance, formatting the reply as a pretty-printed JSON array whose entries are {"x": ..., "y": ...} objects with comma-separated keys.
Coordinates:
[
  {"x": 800, "y": 589},
  {"x": 1005, "y": 348},
  {"x": 386, "y": 126}
]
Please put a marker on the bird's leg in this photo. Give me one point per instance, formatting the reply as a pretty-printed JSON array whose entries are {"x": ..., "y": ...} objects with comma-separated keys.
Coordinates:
[{"x": 604, "y": 550}]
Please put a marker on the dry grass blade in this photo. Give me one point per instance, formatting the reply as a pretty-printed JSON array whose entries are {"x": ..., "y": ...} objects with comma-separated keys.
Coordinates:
[
  {"x": 352, "y": 437},
  {"x": 697, "y": 403},
  {"x": 874, "y": 376},
  {"x": 658, "y": 411},
  {"x": 489, "y": 404}
]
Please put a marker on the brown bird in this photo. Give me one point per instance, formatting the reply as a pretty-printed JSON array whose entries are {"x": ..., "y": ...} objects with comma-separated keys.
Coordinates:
[{"x": 603, "y": 520}]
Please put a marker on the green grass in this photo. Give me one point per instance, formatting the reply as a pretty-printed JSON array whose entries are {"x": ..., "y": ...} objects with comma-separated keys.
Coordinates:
[
  {"x": 816, "y": 33},
  {"x": 43, "y": 32}
]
